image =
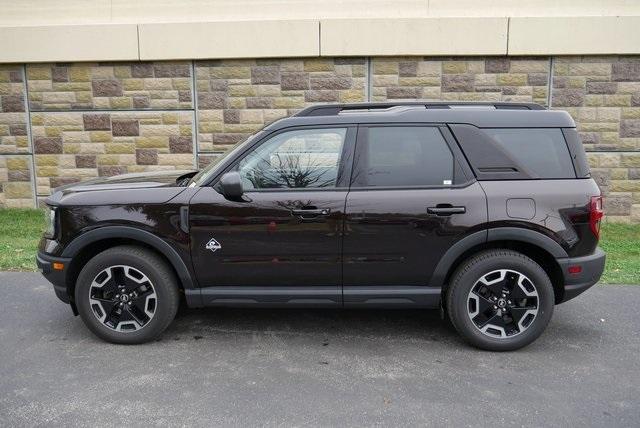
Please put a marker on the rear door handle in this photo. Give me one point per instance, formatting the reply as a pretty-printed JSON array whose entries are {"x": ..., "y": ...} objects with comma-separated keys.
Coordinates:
[
  {"x": 311, "y": 212},
  {"x": 444, "y": 210}
]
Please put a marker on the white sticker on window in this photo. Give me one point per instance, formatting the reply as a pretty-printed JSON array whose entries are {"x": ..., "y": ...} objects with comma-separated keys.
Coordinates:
[{"x": 446, "y": 182}]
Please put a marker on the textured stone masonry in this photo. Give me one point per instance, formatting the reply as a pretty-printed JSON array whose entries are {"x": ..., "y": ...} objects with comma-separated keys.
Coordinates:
[
  {"x": 72, "y": 146},
  {"x": 92, "y": 119},
  {"x": 111, "y": 86},
  {"x": 15, "y": 181},
  {"x": 470, "y": 79},
  {"x": 13, "y": 117},
  {"x": 238, "y": 97},
  {"x": 603, "y": 96}
]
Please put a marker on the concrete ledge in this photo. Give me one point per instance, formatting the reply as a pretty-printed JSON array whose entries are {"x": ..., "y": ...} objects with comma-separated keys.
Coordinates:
[
  {"x": 446, "y": 36},
  {"x": 420, "y": 36},
  {"x": 69, "y": 43},
  {"x": 586, "y": 35},
  {"x": 241, "y": 39}
]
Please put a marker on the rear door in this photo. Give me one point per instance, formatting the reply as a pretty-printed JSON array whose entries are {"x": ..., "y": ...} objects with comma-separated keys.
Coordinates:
[{"x": 411, "y": 199}]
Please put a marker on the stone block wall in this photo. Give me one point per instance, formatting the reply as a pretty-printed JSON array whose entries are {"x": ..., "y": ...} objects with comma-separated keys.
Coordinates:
[
  {"x": 602, "y": 94},
  {"x": 469, "y": 79},
  {"x": 13, "y": 118},
  {"x": 237, "y": 98},
  {"x": 109, "y": 86},
  {"x": 65, "y": 122},
  {"x": 72, "y": 146}
]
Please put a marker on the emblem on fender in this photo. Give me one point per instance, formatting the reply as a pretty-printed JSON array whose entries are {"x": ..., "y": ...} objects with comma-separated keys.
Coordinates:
[{"x": 213, "y": 245}]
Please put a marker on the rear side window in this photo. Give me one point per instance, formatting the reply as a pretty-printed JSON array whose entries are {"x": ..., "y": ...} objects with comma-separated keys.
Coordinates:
[
  {"x": 403, "y": 156},
  {"x": 542, "y": 151}
]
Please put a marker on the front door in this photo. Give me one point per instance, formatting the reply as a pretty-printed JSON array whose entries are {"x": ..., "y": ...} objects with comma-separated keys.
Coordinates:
[
  {"x": 409, "y": 202},
  {"x": 287, "y": 230}
]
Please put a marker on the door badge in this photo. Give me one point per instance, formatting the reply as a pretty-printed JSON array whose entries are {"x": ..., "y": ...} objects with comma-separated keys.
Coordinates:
[{"x": 213, "y": 245}]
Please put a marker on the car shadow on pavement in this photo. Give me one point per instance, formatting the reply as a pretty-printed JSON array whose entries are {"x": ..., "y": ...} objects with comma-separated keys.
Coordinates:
[{"x": 418, "y": 324}]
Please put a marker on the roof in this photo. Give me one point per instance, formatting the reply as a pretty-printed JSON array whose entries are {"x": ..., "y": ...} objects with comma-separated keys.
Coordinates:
[{"x": 482, "y": 115}]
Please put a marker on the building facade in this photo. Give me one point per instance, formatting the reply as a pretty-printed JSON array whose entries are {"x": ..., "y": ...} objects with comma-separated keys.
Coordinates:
[{"x": 82, "y": 98}]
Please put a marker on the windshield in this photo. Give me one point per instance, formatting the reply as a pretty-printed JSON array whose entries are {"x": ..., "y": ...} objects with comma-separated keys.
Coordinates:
[{"x": 202, "y": 176}]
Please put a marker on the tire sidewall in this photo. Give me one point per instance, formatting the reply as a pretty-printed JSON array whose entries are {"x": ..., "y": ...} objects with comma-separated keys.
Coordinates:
[
  {"x": 464, "y": 282},
  {"x": 164, "y": 312}
]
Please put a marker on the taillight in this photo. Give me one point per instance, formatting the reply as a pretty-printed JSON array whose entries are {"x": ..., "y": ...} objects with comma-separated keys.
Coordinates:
[{"x": 595, "y": 214}]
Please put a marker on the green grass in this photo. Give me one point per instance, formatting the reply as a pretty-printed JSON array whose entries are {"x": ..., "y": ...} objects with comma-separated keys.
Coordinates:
[
  {"x": 20, "y": 231},
  {"x": 621, "y": 242}
]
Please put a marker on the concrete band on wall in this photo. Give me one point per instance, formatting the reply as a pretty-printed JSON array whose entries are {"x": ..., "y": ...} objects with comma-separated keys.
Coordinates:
[
  {"x": 280, "y": 38},
  {"x": 64, "y": 122}
]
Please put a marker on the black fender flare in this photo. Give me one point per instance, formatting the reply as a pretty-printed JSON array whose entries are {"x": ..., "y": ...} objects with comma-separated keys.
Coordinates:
[
  {"x": 111, "y": 232},
  {"x": 496, "y": 234}
]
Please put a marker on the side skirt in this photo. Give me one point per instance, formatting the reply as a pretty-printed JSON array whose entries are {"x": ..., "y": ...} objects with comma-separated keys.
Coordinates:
[
  {"x": 391, "y": 297},
  {"x": 318, "y": 297}
]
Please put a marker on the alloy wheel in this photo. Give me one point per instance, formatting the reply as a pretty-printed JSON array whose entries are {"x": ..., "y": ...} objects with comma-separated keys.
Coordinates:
[
  {"x": 503, "y": 303},
  {"x": 122, "y": 298}
]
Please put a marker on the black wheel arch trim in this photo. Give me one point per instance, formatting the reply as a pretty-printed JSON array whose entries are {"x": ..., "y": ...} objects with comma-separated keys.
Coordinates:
[
  {"x": 488, "y": 235},
  {"x": 529, "y": 236},
  {"x": 126, "y": 232},
  {"x": 453, "y": 253}
]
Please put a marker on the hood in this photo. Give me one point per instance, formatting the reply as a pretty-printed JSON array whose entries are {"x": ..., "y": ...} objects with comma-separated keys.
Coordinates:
[{"x": 144, "y": 187}]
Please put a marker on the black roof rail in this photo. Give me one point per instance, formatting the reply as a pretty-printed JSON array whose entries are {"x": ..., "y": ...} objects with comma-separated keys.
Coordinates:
[{"x": 334, "y": 109}]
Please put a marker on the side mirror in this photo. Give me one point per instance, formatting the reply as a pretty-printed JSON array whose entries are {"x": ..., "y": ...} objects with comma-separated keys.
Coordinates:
[{"x": 231, "y": 186}]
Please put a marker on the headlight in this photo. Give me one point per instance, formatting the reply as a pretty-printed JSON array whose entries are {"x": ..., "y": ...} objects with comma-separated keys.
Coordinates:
[{"x": 50, "y": 219}]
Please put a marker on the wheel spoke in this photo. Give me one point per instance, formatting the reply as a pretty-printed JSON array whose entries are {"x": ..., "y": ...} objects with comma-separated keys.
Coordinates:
[
  {"x": 518, "y": 313},
  {"x": 142, "y": 291},
  {"x": 494, "y": 320},
  {"x": 483, "y": 303},
  {"x": 118, "y": 275},
  {"x": 496, "y": 288},
  {"x": 101, "y": 299},
  {"x": 113, "y": 316},
  {"x": 517, "y": 292},
  {"x": 136, "y": 315}
]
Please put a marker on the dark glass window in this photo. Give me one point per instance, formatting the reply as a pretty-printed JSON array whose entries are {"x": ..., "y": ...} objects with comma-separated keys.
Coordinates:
[
  {"x": 295, "y": 159},
  {"x": 542, "y": 151},
  {"x": 403, "y": 156}
]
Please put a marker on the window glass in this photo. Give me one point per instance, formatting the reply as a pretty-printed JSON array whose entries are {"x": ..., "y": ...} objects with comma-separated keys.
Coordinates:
[
  {"x": 542, "y": 151},
  {"x": 296, "y": 159},
  {"x": 403, "y": 156}
]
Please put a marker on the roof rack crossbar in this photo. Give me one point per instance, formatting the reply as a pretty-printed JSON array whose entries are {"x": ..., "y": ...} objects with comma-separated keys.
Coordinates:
[{"x": 335, "y": 109}]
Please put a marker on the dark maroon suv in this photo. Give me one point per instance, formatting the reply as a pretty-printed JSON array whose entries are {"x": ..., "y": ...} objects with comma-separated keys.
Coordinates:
[{"x": 485, "y": 210}]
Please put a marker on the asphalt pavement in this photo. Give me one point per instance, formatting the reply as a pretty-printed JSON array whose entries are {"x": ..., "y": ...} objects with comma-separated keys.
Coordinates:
[{"x": 241, "y": 367}]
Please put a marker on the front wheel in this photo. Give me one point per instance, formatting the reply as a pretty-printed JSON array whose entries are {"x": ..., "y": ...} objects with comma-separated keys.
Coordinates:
[
  {"x": 500, "y": 300},
  {"x": 127, "y": 295}
]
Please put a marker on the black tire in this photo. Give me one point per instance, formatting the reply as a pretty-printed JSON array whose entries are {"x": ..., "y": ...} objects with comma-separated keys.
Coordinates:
[
  {"x": 164, "y": 287},
  {"x": 461, "y": 304}
]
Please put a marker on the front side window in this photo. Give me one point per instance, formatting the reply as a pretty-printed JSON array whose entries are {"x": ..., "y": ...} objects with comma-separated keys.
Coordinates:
[
  {"x": 403, "y": 156},
  {"x": 298, "y": 159}
]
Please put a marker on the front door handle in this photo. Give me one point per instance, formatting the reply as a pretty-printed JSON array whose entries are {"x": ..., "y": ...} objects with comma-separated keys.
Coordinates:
[
  {"x": 446, "y": 209},
  {"x": 311, "y": 212}
]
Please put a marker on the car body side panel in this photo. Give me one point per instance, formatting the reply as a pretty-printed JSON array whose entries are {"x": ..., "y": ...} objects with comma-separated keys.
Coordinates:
[{"x": 558, "y": 209}]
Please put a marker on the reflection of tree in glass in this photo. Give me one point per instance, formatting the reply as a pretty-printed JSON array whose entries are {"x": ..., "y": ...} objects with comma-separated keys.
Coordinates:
[{"x": 289, "y": 171}]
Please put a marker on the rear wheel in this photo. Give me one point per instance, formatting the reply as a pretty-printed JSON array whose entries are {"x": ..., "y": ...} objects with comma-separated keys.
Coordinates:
[
  {"x": 500, "y": 300},
  {"x": 127, "y": 294}
]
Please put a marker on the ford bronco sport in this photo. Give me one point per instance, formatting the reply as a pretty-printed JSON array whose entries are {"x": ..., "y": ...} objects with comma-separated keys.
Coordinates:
[{"x": 485, "y": 210}]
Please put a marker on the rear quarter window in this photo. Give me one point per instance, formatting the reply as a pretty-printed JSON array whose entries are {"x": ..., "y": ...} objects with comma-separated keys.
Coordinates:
[{"x": 542, "y": 151}]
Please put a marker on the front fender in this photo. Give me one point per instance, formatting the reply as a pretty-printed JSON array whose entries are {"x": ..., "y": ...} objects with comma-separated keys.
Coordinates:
[{"x": 125, "y": 232}]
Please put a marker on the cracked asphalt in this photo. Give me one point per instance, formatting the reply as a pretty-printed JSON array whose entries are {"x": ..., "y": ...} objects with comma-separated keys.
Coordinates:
[{"x": 245, "y": 367}]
